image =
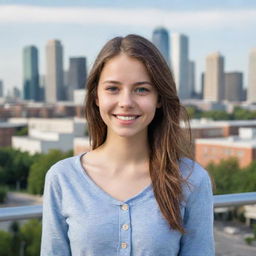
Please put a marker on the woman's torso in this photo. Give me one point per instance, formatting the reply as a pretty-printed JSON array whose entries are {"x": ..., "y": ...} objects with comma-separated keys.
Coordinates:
[{"x": 102, "y": 224}]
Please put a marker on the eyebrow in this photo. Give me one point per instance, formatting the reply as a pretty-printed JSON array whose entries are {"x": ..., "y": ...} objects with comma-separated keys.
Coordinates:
[{"x": 119, "y": 83}]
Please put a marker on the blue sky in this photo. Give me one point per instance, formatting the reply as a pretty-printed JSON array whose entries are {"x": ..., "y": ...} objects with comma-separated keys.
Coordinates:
[{"x": 84, "y": 26}]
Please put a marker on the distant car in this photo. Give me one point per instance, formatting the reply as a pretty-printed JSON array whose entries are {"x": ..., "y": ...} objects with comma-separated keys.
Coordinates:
[{"x": 231, "y": 230}]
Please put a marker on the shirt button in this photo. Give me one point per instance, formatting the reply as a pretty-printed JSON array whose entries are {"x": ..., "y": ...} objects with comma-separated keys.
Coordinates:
[
  {"x": 124, "y": 207},
  {"x": 124, "y": 245},
  {"x": 125, "y": 227}
]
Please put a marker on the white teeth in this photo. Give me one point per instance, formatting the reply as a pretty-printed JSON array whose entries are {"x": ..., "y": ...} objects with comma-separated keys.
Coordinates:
[{"x": 126, "y": 117}]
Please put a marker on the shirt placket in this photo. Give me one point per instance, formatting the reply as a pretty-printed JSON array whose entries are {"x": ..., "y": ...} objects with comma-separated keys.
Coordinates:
[{"x": 125, "y": 230}]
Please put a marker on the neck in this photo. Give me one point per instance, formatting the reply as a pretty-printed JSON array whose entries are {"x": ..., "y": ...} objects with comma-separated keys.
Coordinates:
[{"x": 122, "y": 152}]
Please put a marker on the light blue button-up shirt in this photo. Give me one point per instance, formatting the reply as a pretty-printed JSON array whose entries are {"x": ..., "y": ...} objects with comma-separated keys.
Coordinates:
[{"x": 81, "y": 219}]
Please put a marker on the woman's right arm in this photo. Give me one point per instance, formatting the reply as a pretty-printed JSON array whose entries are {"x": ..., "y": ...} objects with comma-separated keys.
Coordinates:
[{"x": 55, "y": 240}]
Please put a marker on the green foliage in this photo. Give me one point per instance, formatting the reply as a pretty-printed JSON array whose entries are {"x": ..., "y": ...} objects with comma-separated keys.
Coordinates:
[
  {"x": 31, "y": 236},
  {"x": 238, "y": 114},
  {"x": 40, "y": 167},
  {"x": 193, "y": 112},
  {"x": 248, "y": 178},
  {"x": 216, "y": 115},
  {"x": 225, "y": 175},
  {"x": 249, "y": 240},
  {"x": 243, "y": 114},
  {"x": 18, "y": 168},
  {"x": 5, "y": 243},
  {"x": 229, "y": 178},
  {"x": 14, "y": 167},
  {"x": 254, "y": 230},
  {"x": 3, "y": 193},
  {"x": 86, "y": 131},
  {"x": 22, "y": 132},
  {"x": 25, "y": 240},
  {"x": 16, "y": 238}
]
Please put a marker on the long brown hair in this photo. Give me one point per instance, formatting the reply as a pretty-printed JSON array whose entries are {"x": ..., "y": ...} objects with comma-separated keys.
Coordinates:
[{"x": 167, "y": 139}]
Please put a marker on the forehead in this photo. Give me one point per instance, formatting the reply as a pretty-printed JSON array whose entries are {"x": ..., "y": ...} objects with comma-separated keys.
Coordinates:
[{"x": 123, "y": 67}]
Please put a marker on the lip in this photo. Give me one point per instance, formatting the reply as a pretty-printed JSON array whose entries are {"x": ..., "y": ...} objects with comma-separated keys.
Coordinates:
[
  {"x": 125, "y": 115},
  {"x": 126, "y": 122}
]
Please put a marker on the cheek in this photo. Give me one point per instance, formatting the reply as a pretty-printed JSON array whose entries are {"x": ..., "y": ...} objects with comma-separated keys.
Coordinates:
[
  {"x": 105, "y": 104},
  {"x": 149, "y": 105}
]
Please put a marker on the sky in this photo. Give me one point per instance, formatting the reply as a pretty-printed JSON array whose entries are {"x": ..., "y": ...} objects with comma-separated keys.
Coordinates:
[{"x": 83, "y": 27}]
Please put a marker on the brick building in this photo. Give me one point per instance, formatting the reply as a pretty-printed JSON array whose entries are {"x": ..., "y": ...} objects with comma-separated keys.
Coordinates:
[
  {"x": 242, "y": 146},
  {"x": 7, "y": 130}
]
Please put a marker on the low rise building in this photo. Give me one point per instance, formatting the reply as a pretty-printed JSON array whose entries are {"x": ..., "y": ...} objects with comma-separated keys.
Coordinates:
[
  {"x": 241, "y": 146},
  {"x": 81, "y": 145},
  {"x": 46, "y": 134},
  {"x": 204, "y": 128},
  {"x": 7, "y": 130}
]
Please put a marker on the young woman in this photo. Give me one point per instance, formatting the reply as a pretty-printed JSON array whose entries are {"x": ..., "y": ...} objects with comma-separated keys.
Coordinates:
[{"x": 136, "y": 192}]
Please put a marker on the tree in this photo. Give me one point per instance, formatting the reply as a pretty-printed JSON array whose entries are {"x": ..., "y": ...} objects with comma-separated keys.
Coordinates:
[
  {"x": 21, "y": 165},
  {"x": 225, "y": 175},
  {"x": 39, "y": 169},
  {"x": 248, "y": 177},
  {"x": 216, "y": 115},
  {"x": 22, "y": 132},
  {"x": 5, "y": 243},
  {"x": 14, "y": 229},
  {"x": 3, "y": 193},
  {"x": 31, "y": 237},
  {"x": 14, "y": 167},
  {"x": 243, "y": 114},
  {"x": 229, "y": 178}
]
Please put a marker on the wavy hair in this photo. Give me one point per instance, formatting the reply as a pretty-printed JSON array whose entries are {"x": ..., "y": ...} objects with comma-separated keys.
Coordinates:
[{"x": 168, "y": 141}]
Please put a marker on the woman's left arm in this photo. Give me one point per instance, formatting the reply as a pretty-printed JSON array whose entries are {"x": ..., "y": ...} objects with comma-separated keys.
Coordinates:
[{"x": 198, "y": 220}]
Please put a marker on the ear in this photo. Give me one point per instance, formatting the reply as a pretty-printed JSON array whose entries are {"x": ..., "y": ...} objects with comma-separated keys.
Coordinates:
[{"x": 97, "y": 101}]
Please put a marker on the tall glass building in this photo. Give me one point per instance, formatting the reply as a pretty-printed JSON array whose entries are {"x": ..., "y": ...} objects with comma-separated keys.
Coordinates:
[
  {"x": 1, "y": 89},
  {"x": 30, "y": 74},
  {"x": 180, "y": 64},
  {"x": 160, "y": 39},
  {"x": 77, "y": 75}
]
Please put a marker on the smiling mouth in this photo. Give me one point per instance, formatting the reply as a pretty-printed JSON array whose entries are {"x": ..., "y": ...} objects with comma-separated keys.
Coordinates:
[{"x": 126, "y": 118}]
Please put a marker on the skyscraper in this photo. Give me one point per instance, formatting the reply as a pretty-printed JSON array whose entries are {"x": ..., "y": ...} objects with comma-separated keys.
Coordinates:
[
  {"x": 77, "y": 75},
  {"x": 251, "y": 95},
  {"x": 54, "y": 87},
  {"x": 1, "y": 89},
  {"x": 234, "y": 86},
  {"x": 30, "y": 74},
  {"x": 180, "y": 64},
  {"x": 214, "y": 78},
  {"x": 202, "y": 85},
  {"x": 160, "y": 39},
  {"x": 191, "y": 78}
]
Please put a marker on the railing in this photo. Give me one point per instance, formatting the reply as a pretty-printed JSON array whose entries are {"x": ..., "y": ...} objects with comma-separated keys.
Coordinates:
[{"x": 35, "y": 211}]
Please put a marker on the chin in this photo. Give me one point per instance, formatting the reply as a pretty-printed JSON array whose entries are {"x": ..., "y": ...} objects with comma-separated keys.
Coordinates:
[{"x": 129, "y": 134}]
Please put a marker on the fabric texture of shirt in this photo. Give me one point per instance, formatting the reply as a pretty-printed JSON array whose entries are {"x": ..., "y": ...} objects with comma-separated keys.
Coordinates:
[{"x": 81, "y": 219}]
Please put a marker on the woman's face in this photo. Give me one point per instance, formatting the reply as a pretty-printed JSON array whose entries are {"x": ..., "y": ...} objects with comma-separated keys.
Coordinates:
[{"x": 126, "y": 97}]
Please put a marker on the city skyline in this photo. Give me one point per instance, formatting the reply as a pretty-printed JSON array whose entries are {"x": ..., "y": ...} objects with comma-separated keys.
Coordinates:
[{"x": 224, "y": 27}]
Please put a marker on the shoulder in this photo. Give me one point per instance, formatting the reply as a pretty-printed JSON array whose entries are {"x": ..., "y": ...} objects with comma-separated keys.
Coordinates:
[
  {"x": 192, "y": 171},
  {"x": 63, "y": 168},
  {"x": 198, "y": 182}
]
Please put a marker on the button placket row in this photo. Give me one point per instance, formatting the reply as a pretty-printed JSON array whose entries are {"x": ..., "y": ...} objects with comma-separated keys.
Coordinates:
[{"x": 125, "y": 230}]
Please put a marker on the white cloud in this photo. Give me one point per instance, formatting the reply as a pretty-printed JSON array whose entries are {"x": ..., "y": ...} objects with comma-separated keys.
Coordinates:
[{"x": 112, "y": 16}]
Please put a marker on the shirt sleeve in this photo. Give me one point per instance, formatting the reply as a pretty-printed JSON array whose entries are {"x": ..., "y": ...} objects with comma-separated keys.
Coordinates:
[
  {"x": 198, "y": 221},
  {"x": 55, "y": 240}
]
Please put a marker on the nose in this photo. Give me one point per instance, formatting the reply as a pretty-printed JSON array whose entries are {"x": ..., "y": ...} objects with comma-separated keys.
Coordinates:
[{"x": 126, "y": 100}]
